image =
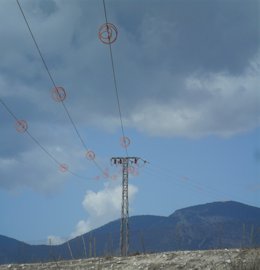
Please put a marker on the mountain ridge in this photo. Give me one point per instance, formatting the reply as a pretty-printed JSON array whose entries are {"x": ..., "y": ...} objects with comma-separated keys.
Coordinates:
[{"x": 212, "y": 225}]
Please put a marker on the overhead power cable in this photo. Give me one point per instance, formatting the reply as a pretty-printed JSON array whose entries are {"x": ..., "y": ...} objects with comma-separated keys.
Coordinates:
[
  {"x": 50, "y": 76},
  {"x": 37, "y": 142},
  {"x": 55, "y": 86},
  {"x": 115, "y": 78},
  {"x": 187, "y": 180}
]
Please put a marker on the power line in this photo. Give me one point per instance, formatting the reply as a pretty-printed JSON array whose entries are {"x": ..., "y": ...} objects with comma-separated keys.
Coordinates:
[
  {"x": 8, "y": 109},
  {"x": 61, "y": 99},
  {"x": 187, "y": 180},
  {"x": 183, "y": 182},
  {"x": 37, "y": 142},
  {"x": 54, "y": 84},
  {"x": 49, "y": 74},
  {"x": 115, "y": 80}
]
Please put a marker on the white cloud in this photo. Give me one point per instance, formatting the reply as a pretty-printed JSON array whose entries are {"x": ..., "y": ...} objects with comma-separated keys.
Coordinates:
[
  {"x": 82, "y": 227},
  {"x": 158, "y": 98},
  {"x": 30, "y": 167},
  {"x": 163, "y": 92},
  {"x": 55, "y": 240},
  {"x": 102, "y": 206},
  {"x": 210, "y": 104}
]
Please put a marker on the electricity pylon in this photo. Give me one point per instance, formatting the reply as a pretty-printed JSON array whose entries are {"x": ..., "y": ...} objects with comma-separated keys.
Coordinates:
[{"x": 124, "y": 229}]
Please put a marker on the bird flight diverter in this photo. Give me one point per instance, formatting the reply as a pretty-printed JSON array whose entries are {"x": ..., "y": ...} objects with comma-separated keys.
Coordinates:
[
  {"x": 58, "y": 94},
  {"x": 125, "y": 141},
  {"x": 64, "y": 167},
  {"x": 107, "y": 33},
  {"x": 21, "y": 126},
  {"x": 90, "y": 155}
]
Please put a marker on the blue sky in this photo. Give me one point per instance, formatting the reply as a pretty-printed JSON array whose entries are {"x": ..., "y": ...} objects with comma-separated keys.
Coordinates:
[{"x": 188, "y": 77}]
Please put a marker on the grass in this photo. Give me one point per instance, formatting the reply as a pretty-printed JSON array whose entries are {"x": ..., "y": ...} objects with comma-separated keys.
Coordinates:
[{"x": 253, "y": 264}]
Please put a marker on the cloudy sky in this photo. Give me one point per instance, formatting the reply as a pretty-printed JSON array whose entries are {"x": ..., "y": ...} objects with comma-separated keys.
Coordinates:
[{"x": 188, "y": 73}]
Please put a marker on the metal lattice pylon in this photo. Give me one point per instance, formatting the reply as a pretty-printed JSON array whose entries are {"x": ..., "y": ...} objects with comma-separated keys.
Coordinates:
[{"x": 124, "y": 228}]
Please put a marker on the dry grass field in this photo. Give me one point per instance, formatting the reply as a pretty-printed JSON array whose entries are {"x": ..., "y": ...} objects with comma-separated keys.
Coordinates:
[{"x": 225, "y": 259}]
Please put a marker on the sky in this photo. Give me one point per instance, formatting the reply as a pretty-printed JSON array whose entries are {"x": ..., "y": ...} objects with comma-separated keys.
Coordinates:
[{"x": 187, "y": 73}]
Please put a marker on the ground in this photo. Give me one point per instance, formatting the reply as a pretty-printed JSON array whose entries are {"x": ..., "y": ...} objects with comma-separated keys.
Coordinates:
[{"x": 225, "y": 259}]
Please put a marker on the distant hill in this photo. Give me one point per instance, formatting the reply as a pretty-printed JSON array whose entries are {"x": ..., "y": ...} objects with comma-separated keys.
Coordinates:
[
  {"x": 9, "y": 249},
  {"x": 214, "y": 225}
]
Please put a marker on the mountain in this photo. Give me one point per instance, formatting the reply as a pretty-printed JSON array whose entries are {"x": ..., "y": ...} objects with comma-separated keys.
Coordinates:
[
  {"x": 9, "y": 249},
  {"x": 14, "y": 251},
  {"x": 213, "y": 225}
]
